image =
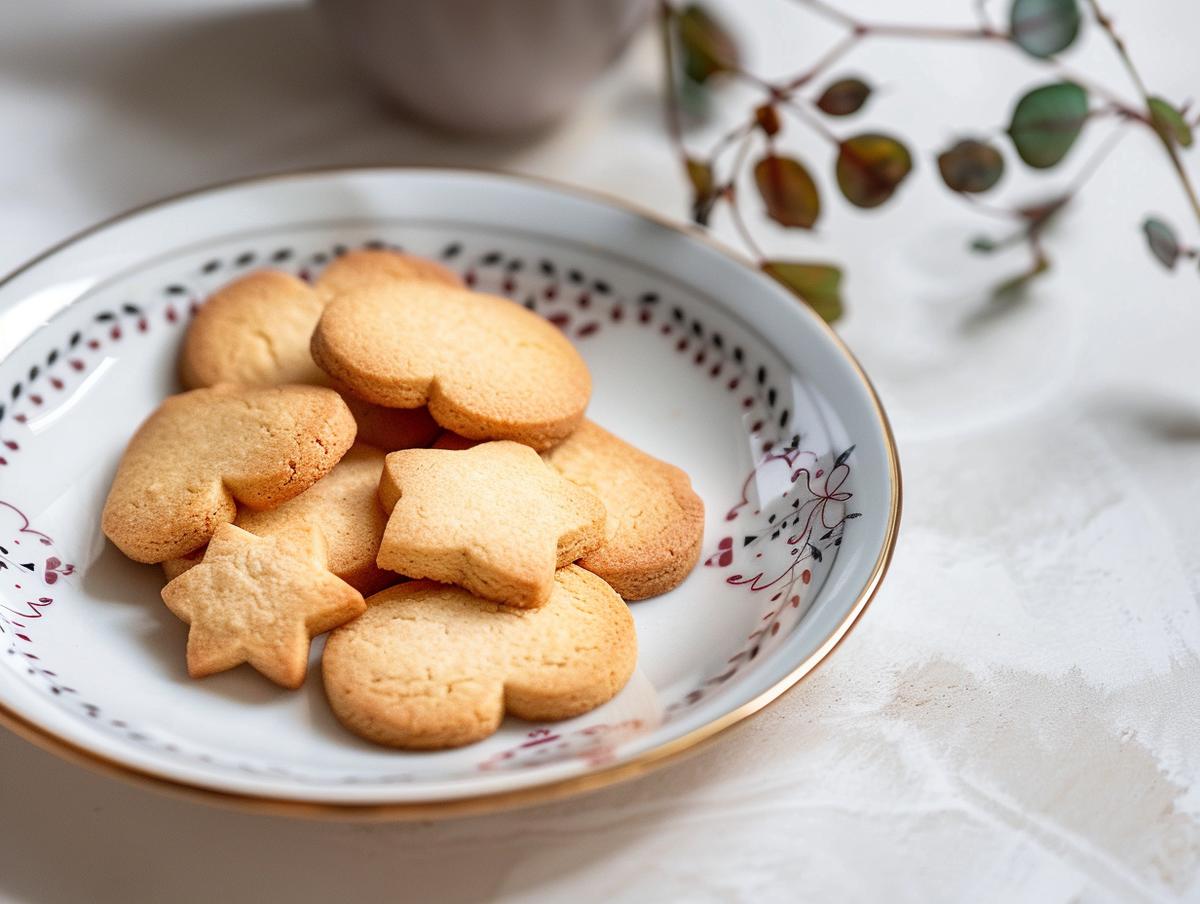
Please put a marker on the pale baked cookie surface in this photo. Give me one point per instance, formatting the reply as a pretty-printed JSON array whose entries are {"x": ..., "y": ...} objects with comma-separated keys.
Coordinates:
[
  {"x": 430, "y": 666},
  {"x": 654, "y": 525},
  {"x": 202, "y": 450},
  {"x": 344, "y": 505},
  {"x": 494, "y": 519},
  {"x": 390, "y": 429},
  {"x": 363, "y": 267},
  {"x": 260, "y": 600},
  {"x": 256, "y": 331},
  {"x": 486, "y": 367},
  {"x": 655, "y": 521}
]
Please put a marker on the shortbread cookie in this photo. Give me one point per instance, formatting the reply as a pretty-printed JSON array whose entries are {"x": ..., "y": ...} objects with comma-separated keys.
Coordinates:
[
  {"x": 655, "y": 521},
  {"x": 494, "y": 519},
  {"x": 453, "y": 442},
  {"x": 344, "y": 505},
  {"x": 203, "y": 449},
  {"x": 173, "y": 568},
  {"x": 487, "y": 367},
  {"x": 260, "y": 600},
  {"x": 390, "y": 429},
  {"x": 357, "y": 268},
  {"x": 431, "y": 666},
  {"x": 256, "y": 331}
]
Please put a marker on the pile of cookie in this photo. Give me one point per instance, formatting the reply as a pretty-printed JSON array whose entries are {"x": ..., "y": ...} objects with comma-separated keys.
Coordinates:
[{"x": 385, "y": 432}]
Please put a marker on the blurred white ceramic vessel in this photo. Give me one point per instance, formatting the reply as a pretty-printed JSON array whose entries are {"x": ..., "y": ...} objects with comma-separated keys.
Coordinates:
[{"x": 483, "y": 65}]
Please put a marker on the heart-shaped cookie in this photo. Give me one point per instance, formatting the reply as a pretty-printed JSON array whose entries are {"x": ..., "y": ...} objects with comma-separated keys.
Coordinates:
[
  {"x": 202, "y": 450},
  {"x": 431, "y": 666},
  {"x": 486, "y": 367},
  {"x": 344, "y": 504}
]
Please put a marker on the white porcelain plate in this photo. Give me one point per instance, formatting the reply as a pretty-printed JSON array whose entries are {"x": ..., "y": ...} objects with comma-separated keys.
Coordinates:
[{"x": 696, "y": 357}]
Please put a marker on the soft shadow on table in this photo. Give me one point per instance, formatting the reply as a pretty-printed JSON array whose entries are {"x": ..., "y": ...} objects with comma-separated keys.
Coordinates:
[
  {"x": 187, "y": 100},
  {"x": 69, "y": 835},
  {"x": 1172, "y": 420}
]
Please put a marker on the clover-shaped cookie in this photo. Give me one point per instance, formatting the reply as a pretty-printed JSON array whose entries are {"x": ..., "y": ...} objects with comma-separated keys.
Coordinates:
[
  {"x": 494, "y": 519},
  {"x": 486, "y": 367},
  {"x": 260, "y": 600},
  {"x": 344, "y": 504},
  {"x": 431, "y": 666},
  {"x": 202, "y": 450},
  {"x": 256, "y": 330}
]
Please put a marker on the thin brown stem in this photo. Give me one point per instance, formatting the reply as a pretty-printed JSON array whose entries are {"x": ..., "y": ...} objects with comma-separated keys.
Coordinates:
[
  {"x": 802, "y": 113},
  {"x": 735, "y": 214},
  {"x": 727, "y": 140},
  {"x": 1093, "y": 163},
  {"x": 1184, "y": 178},
  {"x": 730, "y": 193},
  {"x": 1168, "y": 145},
  {"x": 832, "y": 13},
  {"x": 670, "y": 94},
  {"x": 1000, "y": 213},
  {"x": 1098, "y": 89},
  {"x": 835, "y": 53},
  {"x": 900, "y": 29},
  {"x": 1106, "y": 23},
  {"x": 860, "y": 30},
  {"x": 981, "y": 13}
]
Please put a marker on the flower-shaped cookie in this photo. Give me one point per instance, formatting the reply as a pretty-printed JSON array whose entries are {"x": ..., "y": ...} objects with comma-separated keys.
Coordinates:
[
  {"x": 260, "y": 600},
  {"x": 486, "y": 367},
  {"x": 493, "y": 519},
  {"x": 202, "y": 450},
  {"x": 655, "y": 521},
  {"x": 431, "y": 666}
]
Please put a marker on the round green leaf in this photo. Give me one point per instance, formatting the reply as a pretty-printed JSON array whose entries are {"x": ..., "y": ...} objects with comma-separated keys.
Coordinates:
[
  {"x": 1042, "y": 28},
  {"x": 706, "y": 44},
  {"x": 1169, "y": 122},
  {"x": 817, "y": 285},
  {"x": 1163, "y": 242},
  {"x": 870, "y": 167},
  {"x": 844, "y": 97},
  {"x": 788, "y": 190},
  {"x": 970, "y": 166},
  {"x": 1046, "y": 122}
]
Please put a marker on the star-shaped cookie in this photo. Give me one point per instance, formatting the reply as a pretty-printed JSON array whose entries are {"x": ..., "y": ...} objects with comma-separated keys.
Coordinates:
[
  {"x": 260, "y": 600},
  {"x": 494, "y": 519}
]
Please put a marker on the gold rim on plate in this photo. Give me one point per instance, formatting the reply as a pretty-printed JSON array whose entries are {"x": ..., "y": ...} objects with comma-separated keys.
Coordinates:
[{"x": 672, "y": 751}]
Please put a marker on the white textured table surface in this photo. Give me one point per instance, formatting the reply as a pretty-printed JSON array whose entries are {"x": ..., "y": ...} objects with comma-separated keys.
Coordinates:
[{"x": 1017, "y": 718}]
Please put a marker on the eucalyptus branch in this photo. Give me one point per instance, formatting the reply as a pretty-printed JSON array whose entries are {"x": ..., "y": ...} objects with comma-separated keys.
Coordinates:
[
  {"x": 900, "y": 30},
  {"x": 1044, "y": 125},
  {"x": 1105, "y": 23}
]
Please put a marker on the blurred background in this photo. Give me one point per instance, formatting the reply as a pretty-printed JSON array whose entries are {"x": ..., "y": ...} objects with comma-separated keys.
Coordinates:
[{"x": 1019, "y": 716}]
